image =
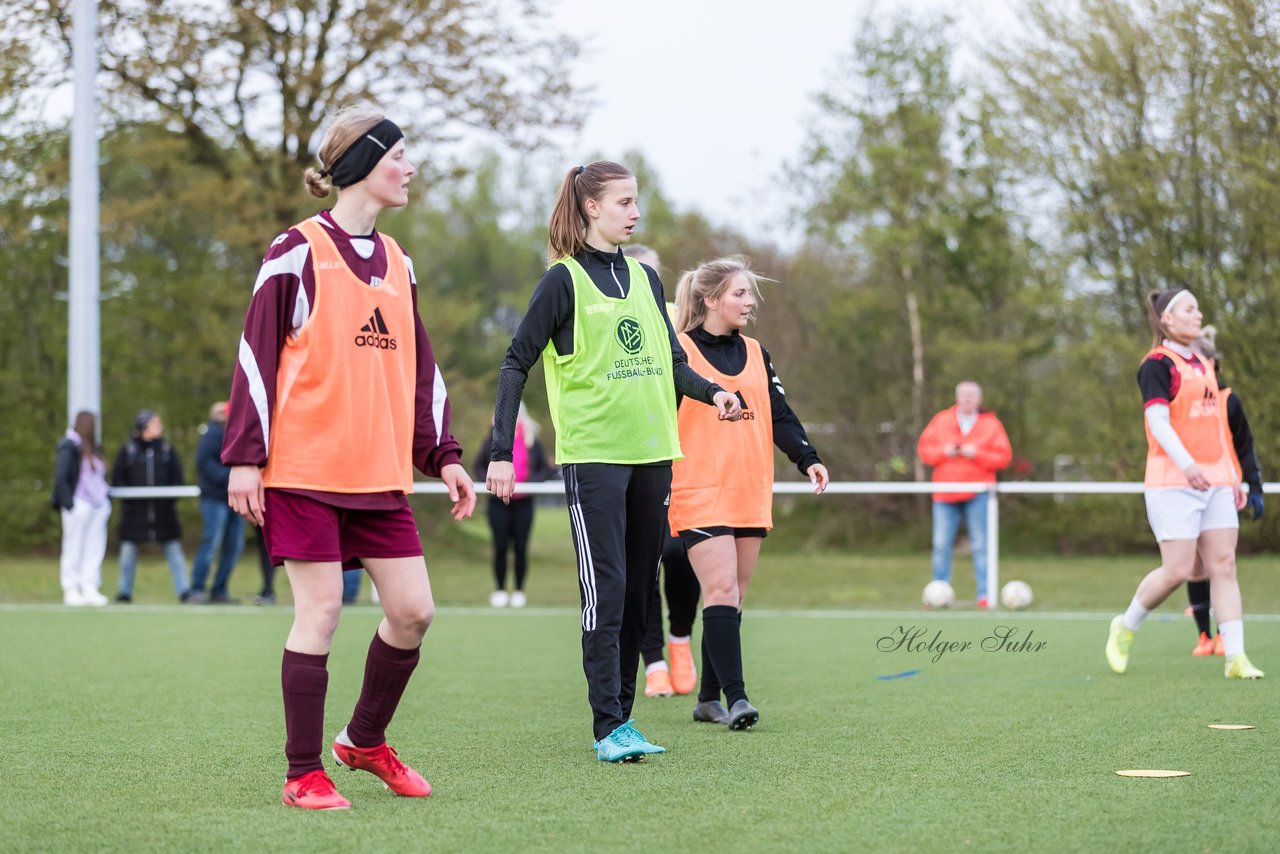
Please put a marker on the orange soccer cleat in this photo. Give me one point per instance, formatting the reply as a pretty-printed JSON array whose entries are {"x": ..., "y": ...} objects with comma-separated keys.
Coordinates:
[
  {"x": 684, "y": 678},
  {"x": 313, "y": 791},
  {"x": 1217, "y": 645},
  {"x": 1204, "y": 646},
  {"x": 658, "y": 684},
  {"x": 383, "y": 763}
]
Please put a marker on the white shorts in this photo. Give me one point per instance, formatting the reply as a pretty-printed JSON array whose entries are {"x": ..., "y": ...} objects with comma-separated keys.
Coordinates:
[{"x": 1183, "y": 513}]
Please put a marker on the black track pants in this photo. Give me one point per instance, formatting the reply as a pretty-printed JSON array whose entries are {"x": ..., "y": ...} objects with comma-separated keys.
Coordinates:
[{"x": 618, "y": 515}]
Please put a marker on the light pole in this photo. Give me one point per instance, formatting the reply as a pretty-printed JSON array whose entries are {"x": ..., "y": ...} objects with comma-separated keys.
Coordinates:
[{"x": 84, "y": 342}]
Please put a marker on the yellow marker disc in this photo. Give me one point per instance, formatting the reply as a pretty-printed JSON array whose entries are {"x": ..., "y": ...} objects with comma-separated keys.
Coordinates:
[
  {"x": 1230, "y": 726},
  {"x": 1154, "y": 773}
]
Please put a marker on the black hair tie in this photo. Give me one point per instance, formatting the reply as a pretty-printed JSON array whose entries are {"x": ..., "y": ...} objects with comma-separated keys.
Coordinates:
[{"x": 579, "y": 172}]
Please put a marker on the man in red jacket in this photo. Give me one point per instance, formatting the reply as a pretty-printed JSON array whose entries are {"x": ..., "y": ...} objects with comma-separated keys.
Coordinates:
[{"x": 964, "y": 444}]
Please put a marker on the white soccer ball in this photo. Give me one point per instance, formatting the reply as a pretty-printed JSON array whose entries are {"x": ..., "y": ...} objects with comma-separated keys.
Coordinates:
[
  {"x": 938, "y": 594},
  {"x": 1015, "y": 595}
]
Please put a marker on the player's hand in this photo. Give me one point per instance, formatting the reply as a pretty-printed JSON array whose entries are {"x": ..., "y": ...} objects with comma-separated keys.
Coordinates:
[
  {"x": 1197, "y": 480},
  {"x": 500, "y": 480},
  {"x": 730, "y": 409},
  {"x": 952, "y": 450},
  {"x": 462, "y": 492},
  {"x": 1255, "y": 503},
  {"x": 819, "y": 478},
  {"x": 1239, "y": 496},
  {"x": 968, "y": 450},
  {"x": 245, "y": 494}
]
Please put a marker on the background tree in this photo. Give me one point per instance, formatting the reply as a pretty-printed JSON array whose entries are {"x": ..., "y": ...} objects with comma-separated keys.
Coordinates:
[
  {"x": 248, "y": 82},
  {"x": 909, "y": 199},
  {"x": 1152, "y": 129}
]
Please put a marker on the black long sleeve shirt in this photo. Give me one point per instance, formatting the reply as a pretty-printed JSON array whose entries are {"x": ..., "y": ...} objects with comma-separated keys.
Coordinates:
[
  {"x": 549, "y": 319},
  {"x": 1242, "y": 439},
  {"x": 728, "y": 354}
]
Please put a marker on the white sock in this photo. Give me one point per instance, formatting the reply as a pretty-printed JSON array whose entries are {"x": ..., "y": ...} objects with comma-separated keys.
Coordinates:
[
  {"x": 1134, "y": 615},
  {"x": 657, "y": 665},
  {"x": 674, "y": 639},
  {"x": 1232, "y": 632}
]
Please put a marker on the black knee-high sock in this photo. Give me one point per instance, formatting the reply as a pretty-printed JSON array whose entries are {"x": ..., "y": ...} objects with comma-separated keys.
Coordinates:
[
  {"x": 1198, "y": 594},
  {"x": 722, "y": 641},
  {"x": 709, "y": 687}
]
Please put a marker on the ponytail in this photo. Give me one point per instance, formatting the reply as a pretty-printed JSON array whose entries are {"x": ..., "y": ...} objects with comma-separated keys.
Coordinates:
[
  {"x": 685, "y": 303},
  {"x": 567, "y": 231}
]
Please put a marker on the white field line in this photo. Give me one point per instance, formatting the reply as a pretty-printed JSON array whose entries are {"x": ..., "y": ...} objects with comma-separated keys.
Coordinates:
[{"x": 198, "y": 611}]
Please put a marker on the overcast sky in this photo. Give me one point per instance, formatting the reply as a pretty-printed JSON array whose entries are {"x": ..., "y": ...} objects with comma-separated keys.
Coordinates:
[{"x": 716, "y": 95}]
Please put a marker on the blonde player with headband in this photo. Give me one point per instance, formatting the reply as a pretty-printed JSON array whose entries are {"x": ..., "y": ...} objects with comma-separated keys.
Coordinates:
[
  {"x": 336, "y": 398},
  {"x": 1193, "y": 490}
]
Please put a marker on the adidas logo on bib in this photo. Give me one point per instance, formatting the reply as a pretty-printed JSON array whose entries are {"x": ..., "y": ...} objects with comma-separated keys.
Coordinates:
[{"x": 375, "y": 334}]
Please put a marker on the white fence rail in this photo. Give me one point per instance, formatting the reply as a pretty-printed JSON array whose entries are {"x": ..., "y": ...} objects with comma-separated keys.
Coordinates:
[{"x": 993, "y": 490}]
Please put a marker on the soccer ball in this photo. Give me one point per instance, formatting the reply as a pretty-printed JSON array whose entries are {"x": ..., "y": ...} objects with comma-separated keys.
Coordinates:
[
  {"x": 938, "y": 594},
  {"x": 1015, "y": 595}
]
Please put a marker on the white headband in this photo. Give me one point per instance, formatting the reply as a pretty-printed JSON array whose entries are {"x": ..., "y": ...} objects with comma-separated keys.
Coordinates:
[{"x": 1179, "y": 295}]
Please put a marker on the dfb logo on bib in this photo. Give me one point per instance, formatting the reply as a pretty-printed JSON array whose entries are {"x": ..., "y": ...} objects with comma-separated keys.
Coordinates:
[{"x": 630, "y": 335}]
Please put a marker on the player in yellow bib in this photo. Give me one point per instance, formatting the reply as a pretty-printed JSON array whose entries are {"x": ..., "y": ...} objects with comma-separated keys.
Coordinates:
[
  {"x": 1193, "y": 489},
  {"x": 722, "y": 491},
  {"x": 613, "y": 367}
]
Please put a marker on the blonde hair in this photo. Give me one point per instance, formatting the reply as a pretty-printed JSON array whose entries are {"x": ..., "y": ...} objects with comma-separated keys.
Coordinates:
[
  {"x": 347, "y": 126},
  {"x": 567, "y": 231},
  {"x": 710, "y": 281},
  {"x": 643, "y": 254},
  {"x": 1206, "y": 345}
]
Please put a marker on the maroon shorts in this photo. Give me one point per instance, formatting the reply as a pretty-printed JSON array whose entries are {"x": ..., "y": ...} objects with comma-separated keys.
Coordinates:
[{"x": 302, "y": 528}]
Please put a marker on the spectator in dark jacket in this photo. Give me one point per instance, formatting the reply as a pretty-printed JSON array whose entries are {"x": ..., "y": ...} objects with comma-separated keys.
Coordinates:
[
  {"x": 80, "y": 494},
  {"x": 223, "y": 530},
  {"x": 148, "y": 459},
  {"x": 511, "y": 522}
]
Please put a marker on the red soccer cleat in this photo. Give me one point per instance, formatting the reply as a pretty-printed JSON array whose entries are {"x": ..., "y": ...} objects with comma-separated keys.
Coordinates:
[
  {"x": 1204, "y": 646},
  {"x": 383, "y": 763},
  {"x": 984, "y": 604},
  {"x": 313, "y": 791},
  {"x": 1218, "y": 649}
]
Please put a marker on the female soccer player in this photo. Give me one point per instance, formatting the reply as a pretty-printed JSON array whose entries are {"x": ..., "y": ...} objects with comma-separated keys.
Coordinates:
[
  {"x": 613, "y": 368},
  {"x": 1242, "y": 441},
  {"x": 1192, "y": 487},
  {"x": 722, "y": 491},
  {"x": 336, "y": 397}
]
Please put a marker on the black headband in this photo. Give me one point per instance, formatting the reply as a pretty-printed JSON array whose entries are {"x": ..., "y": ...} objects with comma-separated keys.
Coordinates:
[{"x": 358, "y": 161}]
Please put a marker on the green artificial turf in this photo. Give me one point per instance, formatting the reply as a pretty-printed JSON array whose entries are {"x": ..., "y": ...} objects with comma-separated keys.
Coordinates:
[{"x": 160, "y": 728}]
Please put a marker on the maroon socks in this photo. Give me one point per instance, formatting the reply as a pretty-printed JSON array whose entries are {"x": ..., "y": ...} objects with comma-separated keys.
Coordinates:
[
  {"x": 305, "y": 679},
  {"x": 386, "y": 673}
]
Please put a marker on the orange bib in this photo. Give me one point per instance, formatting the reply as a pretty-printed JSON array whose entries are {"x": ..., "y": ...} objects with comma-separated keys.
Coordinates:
[
  {"x": 1224, "y": 394},
  {"x": 343, "y": 419},
  {"x": 1198, "y": 413},
  {"x": 726, "y": 476}
]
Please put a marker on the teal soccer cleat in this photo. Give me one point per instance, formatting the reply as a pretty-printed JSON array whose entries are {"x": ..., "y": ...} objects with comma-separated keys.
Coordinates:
[{"x": 625, "y": 744}]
